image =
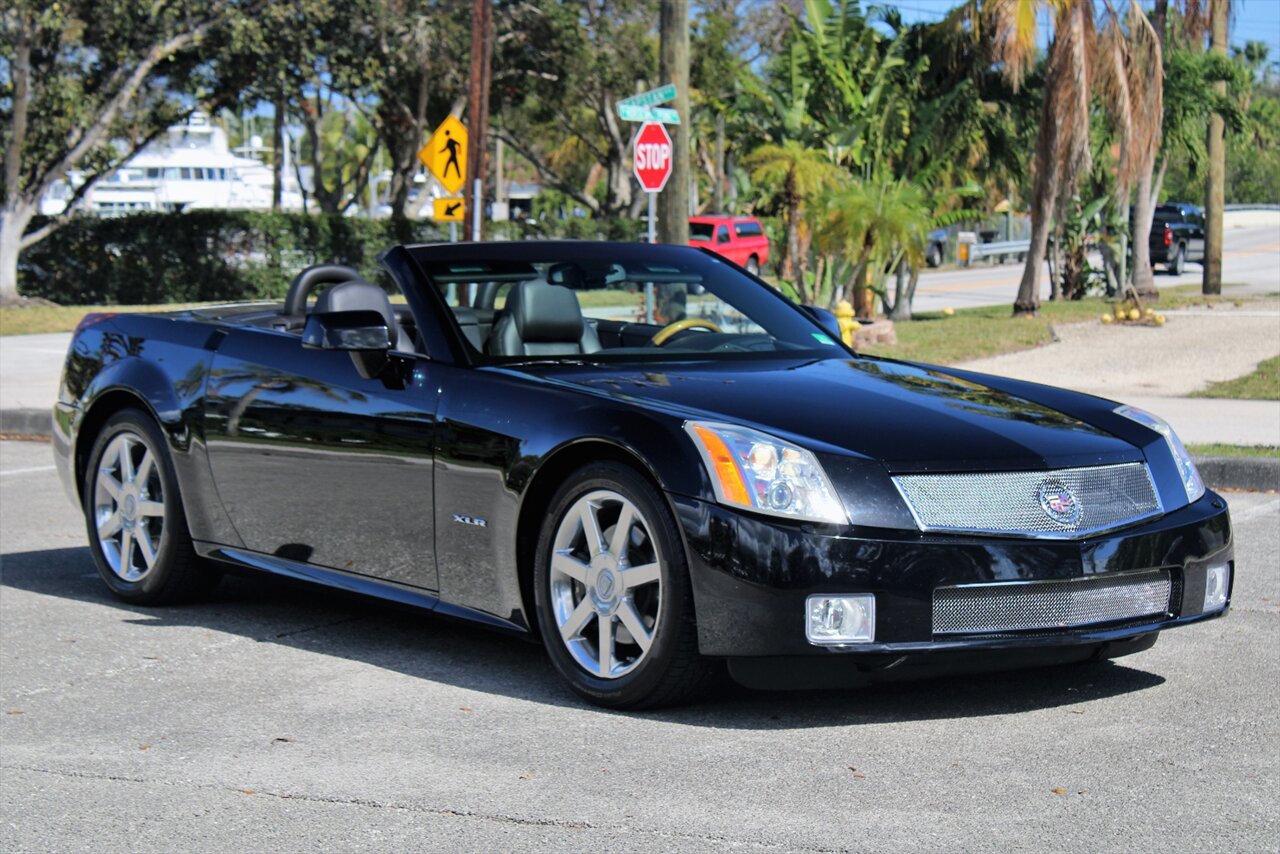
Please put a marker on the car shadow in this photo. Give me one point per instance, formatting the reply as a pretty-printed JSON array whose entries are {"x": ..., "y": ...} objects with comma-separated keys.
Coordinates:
[{"x": 421, "y": 645}]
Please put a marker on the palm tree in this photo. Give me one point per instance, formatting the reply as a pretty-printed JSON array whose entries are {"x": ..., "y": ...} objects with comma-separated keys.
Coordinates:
[
  {"x": 1062, "y": 141},
  {"x": 797, "y": 174},
  {"x": 1131, "y": 77},
  {"x": 876, "y": 222},
  {"x": 1216, "y": 181}
]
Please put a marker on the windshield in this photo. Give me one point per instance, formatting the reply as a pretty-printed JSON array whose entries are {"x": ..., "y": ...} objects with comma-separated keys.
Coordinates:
[{"x": 617, "y": 302}]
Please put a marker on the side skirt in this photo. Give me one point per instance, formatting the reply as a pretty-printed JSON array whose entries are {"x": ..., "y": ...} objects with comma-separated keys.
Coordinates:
[{"x": 354, "y": 583}]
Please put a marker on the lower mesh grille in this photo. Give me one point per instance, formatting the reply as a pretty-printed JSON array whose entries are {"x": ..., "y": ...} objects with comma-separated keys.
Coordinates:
[{"x": 1022, "y": 606}]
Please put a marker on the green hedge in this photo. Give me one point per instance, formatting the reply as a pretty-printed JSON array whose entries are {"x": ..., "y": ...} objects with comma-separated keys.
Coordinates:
[
  {"x": 211, "y": 255},
  {"x": 577, "y": 228},
  {"x": 234, "y": 255},
  {"x": 200, "y": 256}
]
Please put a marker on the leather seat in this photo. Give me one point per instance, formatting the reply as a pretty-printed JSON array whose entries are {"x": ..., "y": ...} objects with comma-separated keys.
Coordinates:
[
  {"x": 363, "y": 296},
  {"x": 542, "y": 320}
]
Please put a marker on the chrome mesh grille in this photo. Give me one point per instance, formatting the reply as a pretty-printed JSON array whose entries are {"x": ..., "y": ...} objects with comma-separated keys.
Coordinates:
[
  {"x": 1011, "y": 502},
  {"x": 1022, "y": 606}
]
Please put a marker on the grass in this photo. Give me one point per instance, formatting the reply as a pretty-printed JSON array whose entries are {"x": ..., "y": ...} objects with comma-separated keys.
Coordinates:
[
  {"x": 32, "y": 319},
  {"x": 1266, "y": 451},
  {"x": 1262, "y": 384},
  {"x": 974, "y": 333}
]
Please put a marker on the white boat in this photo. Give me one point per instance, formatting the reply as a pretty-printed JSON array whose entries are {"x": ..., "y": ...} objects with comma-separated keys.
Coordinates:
[{"x": 190, "y": 168}]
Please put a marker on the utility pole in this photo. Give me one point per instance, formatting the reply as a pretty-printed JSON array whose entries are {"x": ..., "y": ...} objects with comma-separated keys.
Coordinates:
[
  {"x": 1215, "y": 186},
  {"x": 478, "y": 109},
  {"x": 673, "y": 67}
]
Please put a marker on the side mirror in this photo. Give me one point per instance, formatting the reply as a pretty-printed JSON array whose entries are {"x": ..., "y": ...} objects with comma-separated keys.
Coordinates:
[
  {"x": 364, "y": 334},
  {"x": 825, "y": 319}
]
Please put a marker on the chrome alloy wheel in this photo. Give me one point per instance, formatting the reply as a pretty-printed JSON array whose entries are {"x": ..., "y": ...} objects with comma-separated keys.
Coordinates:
[
  {"x": 606, "y": 584},
  {"x": 128, "y": 506}
]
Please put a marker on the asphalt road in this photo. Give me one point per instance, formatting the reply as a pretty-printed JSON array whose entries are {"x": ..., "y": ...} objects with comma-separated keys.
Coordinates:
[
  {"x": 1251, "y": 259},
  {"x": 279, "y": 717}
]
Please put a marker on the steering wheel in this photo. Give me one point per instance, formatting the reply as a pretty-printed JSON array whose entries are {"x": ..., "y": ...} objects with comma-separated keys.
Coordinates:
[{"x": 671, "y": 329}]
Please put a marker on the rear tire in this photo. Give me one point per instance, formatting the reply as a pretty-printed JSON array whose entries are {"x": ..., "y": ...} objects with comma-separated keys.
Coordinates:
[
  {"x": 1178, "y": 262},
  {"x": 753, "y": 265},
  {"x": 615, "y": 608},
  {"x": 933, "y": 256},
  {"x": 135, "y": 519}
]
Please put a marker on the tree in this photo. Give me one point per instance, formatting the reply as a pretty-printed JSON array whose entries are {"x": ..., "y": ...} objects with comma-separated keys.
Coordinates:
[
  {"x": 342, "y": 147},
  {"x": 420, "y": 46},
  {"x": 796, "y": 175},
  {"x": 88, "y": 84},
  {"x": 1062, "y": 142},
  {"x": 560, "y": 69},
  {"x": 864, "y": 226},
  {"x": 673, "y": 67},
  {"x": 1131, "y": 76},
  {"x": 723, "y": 91},
  {"x": 1216, "y": 184}
]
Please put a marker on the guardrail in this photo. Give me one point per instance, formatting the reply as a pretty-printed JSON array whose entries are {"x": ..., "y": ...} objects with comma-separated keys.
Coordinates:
[{"x": 1000, "y": 250}]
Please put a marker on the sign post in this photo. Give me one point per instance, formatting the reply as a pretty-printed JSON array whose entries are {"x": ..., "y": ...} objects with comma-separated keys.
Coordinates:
[{"x": 651, "y": 161}]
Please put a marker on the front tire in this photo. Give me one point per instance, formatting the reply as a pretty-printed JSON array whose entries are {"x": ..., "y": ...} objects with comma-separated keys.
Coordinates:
[
  {"x": 615, "y": 607},
  {"x": 753, "y": 265},
  {"x": 135, "y": 519}
]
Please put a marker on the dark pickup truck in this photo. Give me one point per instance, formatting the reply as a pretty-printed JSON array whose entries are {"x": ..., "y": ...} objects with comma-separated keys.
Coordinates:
[{"x": 1177, "y": 236}]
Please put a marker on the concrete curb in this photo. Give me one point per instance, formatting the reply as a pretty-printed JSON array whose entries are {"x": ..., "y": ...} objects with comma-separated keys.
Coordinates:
[
  {"x": 1250, "y": 473},
  {"x": 26, "y": 422}
]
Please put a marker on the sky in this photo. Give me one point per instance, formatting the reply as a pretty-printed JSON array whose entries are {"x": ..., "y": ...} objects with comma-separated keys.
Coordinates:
[{"x": 1252, "y": 20}]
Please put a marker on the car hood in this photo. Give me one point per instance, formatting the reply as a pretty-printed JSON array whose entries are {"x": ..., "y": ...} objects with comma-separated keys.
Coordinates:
[{"x": 910, "y": 417}]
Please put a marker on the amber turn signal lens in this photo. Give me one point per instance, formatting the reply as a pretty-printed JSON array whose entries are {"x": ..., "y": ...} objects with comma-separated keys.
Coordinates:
[{"x": 732, "y": 486}]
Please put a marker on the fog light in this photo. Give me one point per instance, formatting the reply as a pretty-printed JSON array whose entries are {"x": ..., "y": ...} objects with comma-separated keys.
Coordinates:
[
  {"x": 1217, "y": 581},
  {"x": 841, "y": 619}
]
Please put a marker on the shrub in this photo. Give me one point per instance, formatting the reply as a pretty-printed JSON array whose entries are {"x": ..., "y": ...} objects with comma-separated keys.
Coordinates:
[
  {"x": 201, "y": 255},
  {"x": 212, "y": 255}
]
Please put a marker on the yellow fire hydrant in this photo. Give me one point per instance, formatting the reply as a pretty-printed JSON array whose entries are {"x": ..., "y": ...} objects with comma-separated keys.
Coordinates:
[{"x": 848, "y": 326}]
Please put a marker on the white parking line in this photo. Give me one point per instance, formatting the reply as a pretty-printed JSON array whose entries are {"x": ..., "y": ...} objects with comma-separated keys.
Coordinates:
[{"x": 31, "y": 470}]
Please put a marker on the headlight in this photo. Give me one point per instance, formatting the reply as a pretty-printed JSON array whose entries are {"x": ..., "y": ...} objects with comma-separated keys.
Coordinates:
[
  {"x": 759, "y": 472},
  {"x": 1186, "y": 468}
]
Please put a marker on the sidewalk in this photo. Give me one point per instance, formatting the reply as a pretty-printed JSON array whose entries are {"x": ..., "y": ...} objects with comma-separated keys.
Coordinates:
[
  {"x": 1157, "y": 368},
  {"x": 30, "y": 367}
]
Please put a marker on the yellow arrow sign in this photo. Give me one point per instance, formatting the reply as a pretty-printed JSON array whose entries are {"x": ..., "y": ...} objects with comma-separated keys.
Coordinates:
[
  {"x": 445, "y": 154},
  {"x": 449, "y": 210}
]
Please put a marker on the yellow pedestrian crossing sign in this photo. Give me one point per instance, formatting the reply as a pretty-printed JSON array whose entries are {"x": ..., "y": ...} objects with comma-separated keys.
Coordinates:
[
  {"x": 445, "y": 154},
  {"x": 449, "y": 210}
]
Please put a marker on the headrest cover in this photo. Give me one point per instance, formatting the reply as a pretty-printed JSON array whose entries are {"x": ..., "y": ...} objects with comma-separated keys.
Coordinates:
[
  {"x": 545, "y": 312},
  {"x": 355, "y": 296}
]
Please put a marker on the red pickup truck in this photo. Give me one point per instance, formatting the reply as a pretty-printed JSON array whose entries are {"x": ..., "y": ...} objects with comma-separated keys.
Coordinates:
[{"x": 741, "y": 239}]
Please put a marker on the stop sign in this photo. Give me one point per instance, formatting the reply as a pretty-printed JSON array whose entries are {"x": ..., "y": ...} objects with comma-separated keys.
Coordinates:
[{"x": 652, "y": 156}]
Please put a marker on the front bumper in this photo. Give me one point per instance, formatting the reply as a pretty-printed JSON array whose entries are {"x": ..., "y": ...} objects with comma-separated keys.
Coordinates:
[{"x": 751, "y": 576}]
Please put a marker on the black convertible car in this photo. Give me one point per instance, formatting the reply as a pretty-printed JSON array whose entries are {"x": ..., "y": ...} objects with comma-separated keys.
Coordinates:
[{"x": 642, "y": 454}]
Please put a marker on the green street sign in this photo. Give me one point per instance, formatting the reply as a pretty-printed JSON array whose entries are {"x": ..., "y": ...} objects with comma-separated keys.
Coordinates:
[
  {"x": 632, "y": 113},
  {"x": 654, "y": 96}
]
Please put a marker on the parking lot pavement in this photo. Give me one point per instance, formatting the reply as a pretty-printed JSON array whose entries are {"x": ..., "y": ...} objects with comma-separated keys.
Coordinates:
[{"x": 281, "y": 717}]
